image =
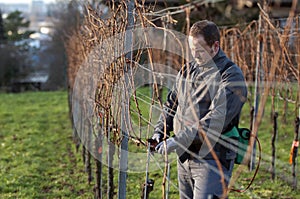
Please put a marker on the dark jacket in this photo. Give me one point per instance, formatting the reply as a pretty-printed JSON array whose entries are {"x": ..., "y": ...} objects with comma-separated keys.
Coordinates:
[{"x": 208, "y": 97}]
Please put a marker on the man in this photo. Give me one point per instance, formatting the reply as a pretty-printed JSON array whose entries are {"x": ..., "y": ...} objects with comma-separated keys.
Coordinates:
[{"x": 204, "y": 104}]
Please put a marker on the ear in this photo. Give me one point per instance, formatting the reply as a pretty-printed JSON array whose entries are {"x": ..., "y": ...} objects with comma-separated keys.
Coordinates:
[{"x": 216, "y": 46}]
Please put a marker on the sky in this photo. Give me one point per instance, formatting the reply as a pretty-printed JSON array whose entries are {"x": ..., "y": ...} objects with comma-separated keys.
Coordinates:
[{"x": 23, "y": 1}]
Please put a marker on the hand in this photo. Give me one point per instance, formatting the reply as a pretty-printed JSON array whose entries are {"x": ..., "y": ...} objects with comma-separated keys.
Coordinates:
[
  {"x": 156, "y": 138},
  {"x": 171, "y": 146}
]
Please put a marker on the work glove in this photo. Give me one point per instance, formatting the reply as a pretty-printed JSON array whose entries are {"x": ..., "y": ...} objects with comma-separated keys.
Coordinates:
[
  {"x": 157, "y": 137},
  {"x": 154, "y": 140},
  {"x": 171, "y": 146}
]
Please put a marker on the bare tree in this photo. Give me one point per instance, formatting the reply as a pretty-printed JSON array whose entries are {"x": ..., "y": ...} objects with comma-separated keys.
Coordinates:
[{"x": 66, "y": 15}]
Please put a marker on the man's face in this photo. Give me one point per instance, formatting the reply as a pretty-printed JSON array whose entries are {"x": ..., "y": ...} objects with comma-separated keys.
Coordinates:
[{"x": 201, "y": 51}]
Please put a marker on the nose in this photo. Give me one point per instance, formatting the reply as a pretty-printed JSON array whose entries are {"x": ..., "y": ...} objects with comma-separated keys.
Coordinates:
[
  {"x": 198, "y": 54},
  {"x": 195, "y": 53}
]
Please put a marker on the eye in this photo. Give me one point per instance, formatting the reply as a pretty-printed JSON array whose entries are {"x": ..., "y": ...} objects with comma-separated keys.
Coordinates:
[{"x": 200, "y": 50}]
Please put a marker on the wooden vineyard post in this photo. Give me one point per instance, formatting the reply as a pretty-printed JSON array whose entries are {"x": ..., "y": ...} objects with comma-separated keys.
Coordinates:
[
  {"x": 110, "y": 159},
  {"x": 98, "y": 159},
  {"x": 274, "y": 138},
  {"x": 88, "y": 166},
  {"x": 123, "y": 165}
]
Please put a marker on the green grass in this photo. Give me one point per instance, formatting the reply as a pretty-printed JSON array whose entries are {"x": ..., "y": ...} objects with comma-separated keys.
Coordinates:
[
  {"x": 37, "y": 154},
  {"x": 38, "y": 158}
]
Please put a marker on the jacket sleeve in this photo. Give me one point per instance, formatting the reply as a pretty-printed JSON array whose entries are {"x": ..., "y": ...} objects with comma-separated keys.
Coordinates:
[
  {"x": 165, "y": 121},
  {"x": 227, "y": 103}
]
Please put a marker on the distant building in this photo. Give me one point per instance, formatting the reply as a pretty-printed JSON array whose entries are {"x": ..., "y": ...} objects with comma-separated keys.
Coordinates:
[{"x": 38, "y": 14}]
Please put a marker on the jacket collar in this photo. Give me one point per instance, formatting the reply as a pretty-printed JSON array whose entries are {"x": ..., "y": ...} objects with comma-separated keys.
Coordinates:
[{"x": 220, "y": 60}]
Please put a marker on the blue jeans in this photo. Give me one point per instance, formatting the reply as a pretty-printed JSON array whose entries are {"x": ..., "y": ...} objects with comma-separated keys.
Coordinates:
[{"x": 200, "y": 179}]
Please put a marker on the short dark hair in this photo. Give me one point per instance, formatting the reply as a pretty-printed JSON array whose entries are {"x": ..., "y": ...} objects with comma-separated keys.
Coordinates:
[{"x": 207, "y": 29}]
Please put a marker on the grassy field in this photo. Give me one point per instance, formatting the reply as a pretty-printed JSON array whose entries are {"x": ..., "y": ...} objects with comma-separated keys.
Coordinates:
[{"x": 38, "y": 158}]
